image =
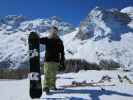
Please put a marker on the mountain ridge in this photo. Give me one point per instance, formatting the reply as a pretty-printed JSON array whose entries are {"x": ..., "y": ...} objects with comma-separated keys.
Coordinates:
[{"x": 95, "y": 36}]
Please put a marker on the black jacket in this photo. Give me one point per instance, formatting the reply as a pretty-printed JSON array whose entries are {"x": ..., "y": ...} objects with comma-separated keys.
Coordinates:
[{"x": 54, "y": 49}]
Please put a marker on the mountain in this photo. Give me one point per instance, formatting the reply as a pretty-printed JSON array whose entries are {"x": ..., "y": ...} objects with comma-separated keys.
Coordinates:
[
  {"x": 105, "y": 34},
  {"x": 101, "y": 23},
  {"x": 42, "y": 25},
  {"x": 20, "y": 23},
  {"x": 14, "y": 32},
  {"x": 129, "y": 12}
]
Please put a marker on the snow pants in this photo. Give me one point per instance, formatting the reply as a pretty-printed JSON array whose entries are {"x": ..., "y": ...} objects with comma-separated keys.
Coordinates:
[{"x": 50, "y": 71}]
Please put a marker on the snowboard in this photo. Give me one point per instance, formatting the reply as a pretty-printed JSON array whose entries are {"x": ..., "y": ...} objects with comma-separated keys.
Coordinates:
[
  {"x": 35, "y": 90},
  {"x": 84, "y": 84}
]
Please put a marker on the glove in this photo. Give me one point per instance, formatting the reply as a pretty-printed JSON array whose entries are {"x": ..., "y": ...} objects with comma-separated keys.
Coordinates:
[{"x": 62, "y": 67}]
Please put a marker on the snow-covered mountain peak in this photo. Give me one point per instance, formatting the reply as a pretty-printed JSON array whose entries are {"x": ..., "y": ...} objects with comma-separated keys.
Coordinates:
[
  {"x": 42, "y": 25},
  {"x": 12, "y": 20},
  {"x": 128, "y": 10},
  {"x": 96, "y": 12},
  {"x": 101, "y": 23},
  {"x": 55, "y": 18}
]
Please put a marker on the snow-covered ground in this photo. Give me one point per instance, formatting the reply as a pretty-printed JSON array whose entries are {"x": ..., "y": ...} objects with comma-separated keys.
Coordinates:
[{"x": 19, "y": 89}]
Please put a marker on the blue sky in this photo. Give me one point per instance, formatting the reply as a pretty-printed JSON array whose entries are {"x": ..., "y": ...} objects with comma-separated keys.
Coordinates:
[{"x": 72, "y": 11}]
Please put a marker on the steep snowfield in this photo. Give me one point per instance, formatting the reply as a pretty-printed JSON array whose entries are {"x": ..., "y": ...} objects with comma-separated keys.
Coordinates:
[
  {"x": 14, "y": 32},
  {"x": 101, "y": 23},
  {"x": 19, "y": 89},
  {"x": 94, "y": 51},
  {"x": 104, "y": 34}
]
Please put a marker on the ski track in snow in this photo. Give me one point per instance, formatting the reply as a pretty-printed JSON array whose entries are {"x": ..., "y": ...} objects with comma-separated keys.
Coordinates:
[{"x": 19, "y": 89}]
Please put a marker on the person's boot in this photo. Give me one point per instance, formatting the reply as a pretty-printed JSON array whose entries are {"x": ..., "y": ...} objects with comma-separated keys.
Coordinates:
[
  {"x": 46, "y": 89},
  {"x": 54, "y": 88}
]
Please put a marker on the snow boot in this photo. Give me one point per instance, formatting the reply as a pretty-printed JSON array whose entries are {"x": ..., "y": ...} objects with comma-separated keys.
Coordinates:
[{"x": 46, "y": 89}]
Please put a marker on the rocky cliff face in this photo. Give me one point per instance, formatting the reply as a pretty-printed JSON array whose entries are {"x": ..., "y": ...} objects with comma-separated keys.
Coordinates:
[{"x": 101, "y": 23}]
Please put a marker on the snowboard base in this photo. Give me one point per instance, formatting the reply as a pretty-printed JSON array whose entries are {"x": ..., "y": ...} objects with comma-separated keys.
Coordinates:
[{"x": 35, "y": 90}]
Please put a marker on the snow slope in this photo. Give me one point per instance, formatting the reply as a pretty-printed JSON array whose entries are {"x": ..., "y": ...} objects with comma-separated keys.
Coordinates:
[
  {"x": 14, "y": 32},
  {"x": 104, "y": 34},
  {"x": 95, "y": 51},
  {"x": 19, "y": 89}
]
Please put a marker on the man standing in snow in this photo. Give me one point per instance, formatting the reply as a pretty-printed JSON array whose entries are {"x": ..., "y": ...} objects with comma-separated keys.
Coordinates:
[{"x": 54, "y": 58}]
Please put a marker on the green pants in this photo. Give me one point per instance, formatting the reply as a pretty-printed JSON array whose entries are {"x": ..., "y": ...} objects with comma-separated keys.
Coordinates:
[{"x": 50, "y": 71}]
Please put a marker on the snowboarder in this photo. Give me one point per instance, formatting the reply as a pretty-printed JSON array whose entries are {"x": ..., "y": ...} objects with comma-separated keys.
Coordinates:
[{"x": 54, "y": 58}]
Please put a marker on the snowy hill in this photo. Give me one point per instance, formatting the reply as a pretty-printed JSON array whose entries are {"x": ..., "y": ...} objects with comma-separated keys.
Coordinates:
[
  {"x": 14, "y": 32},
  {"x": 103, "y": 34}
]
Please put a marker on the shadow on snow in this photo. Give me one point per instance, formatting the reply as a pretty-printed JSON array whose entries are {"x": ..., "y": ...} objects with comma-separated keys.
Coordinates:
[{"x": 93, "y": 94}]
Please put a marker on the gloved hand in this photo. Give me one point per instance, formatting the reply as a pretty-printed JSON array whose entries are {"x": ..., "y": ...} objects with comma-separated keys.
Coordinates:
[{"x": 62, "y": 67}]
